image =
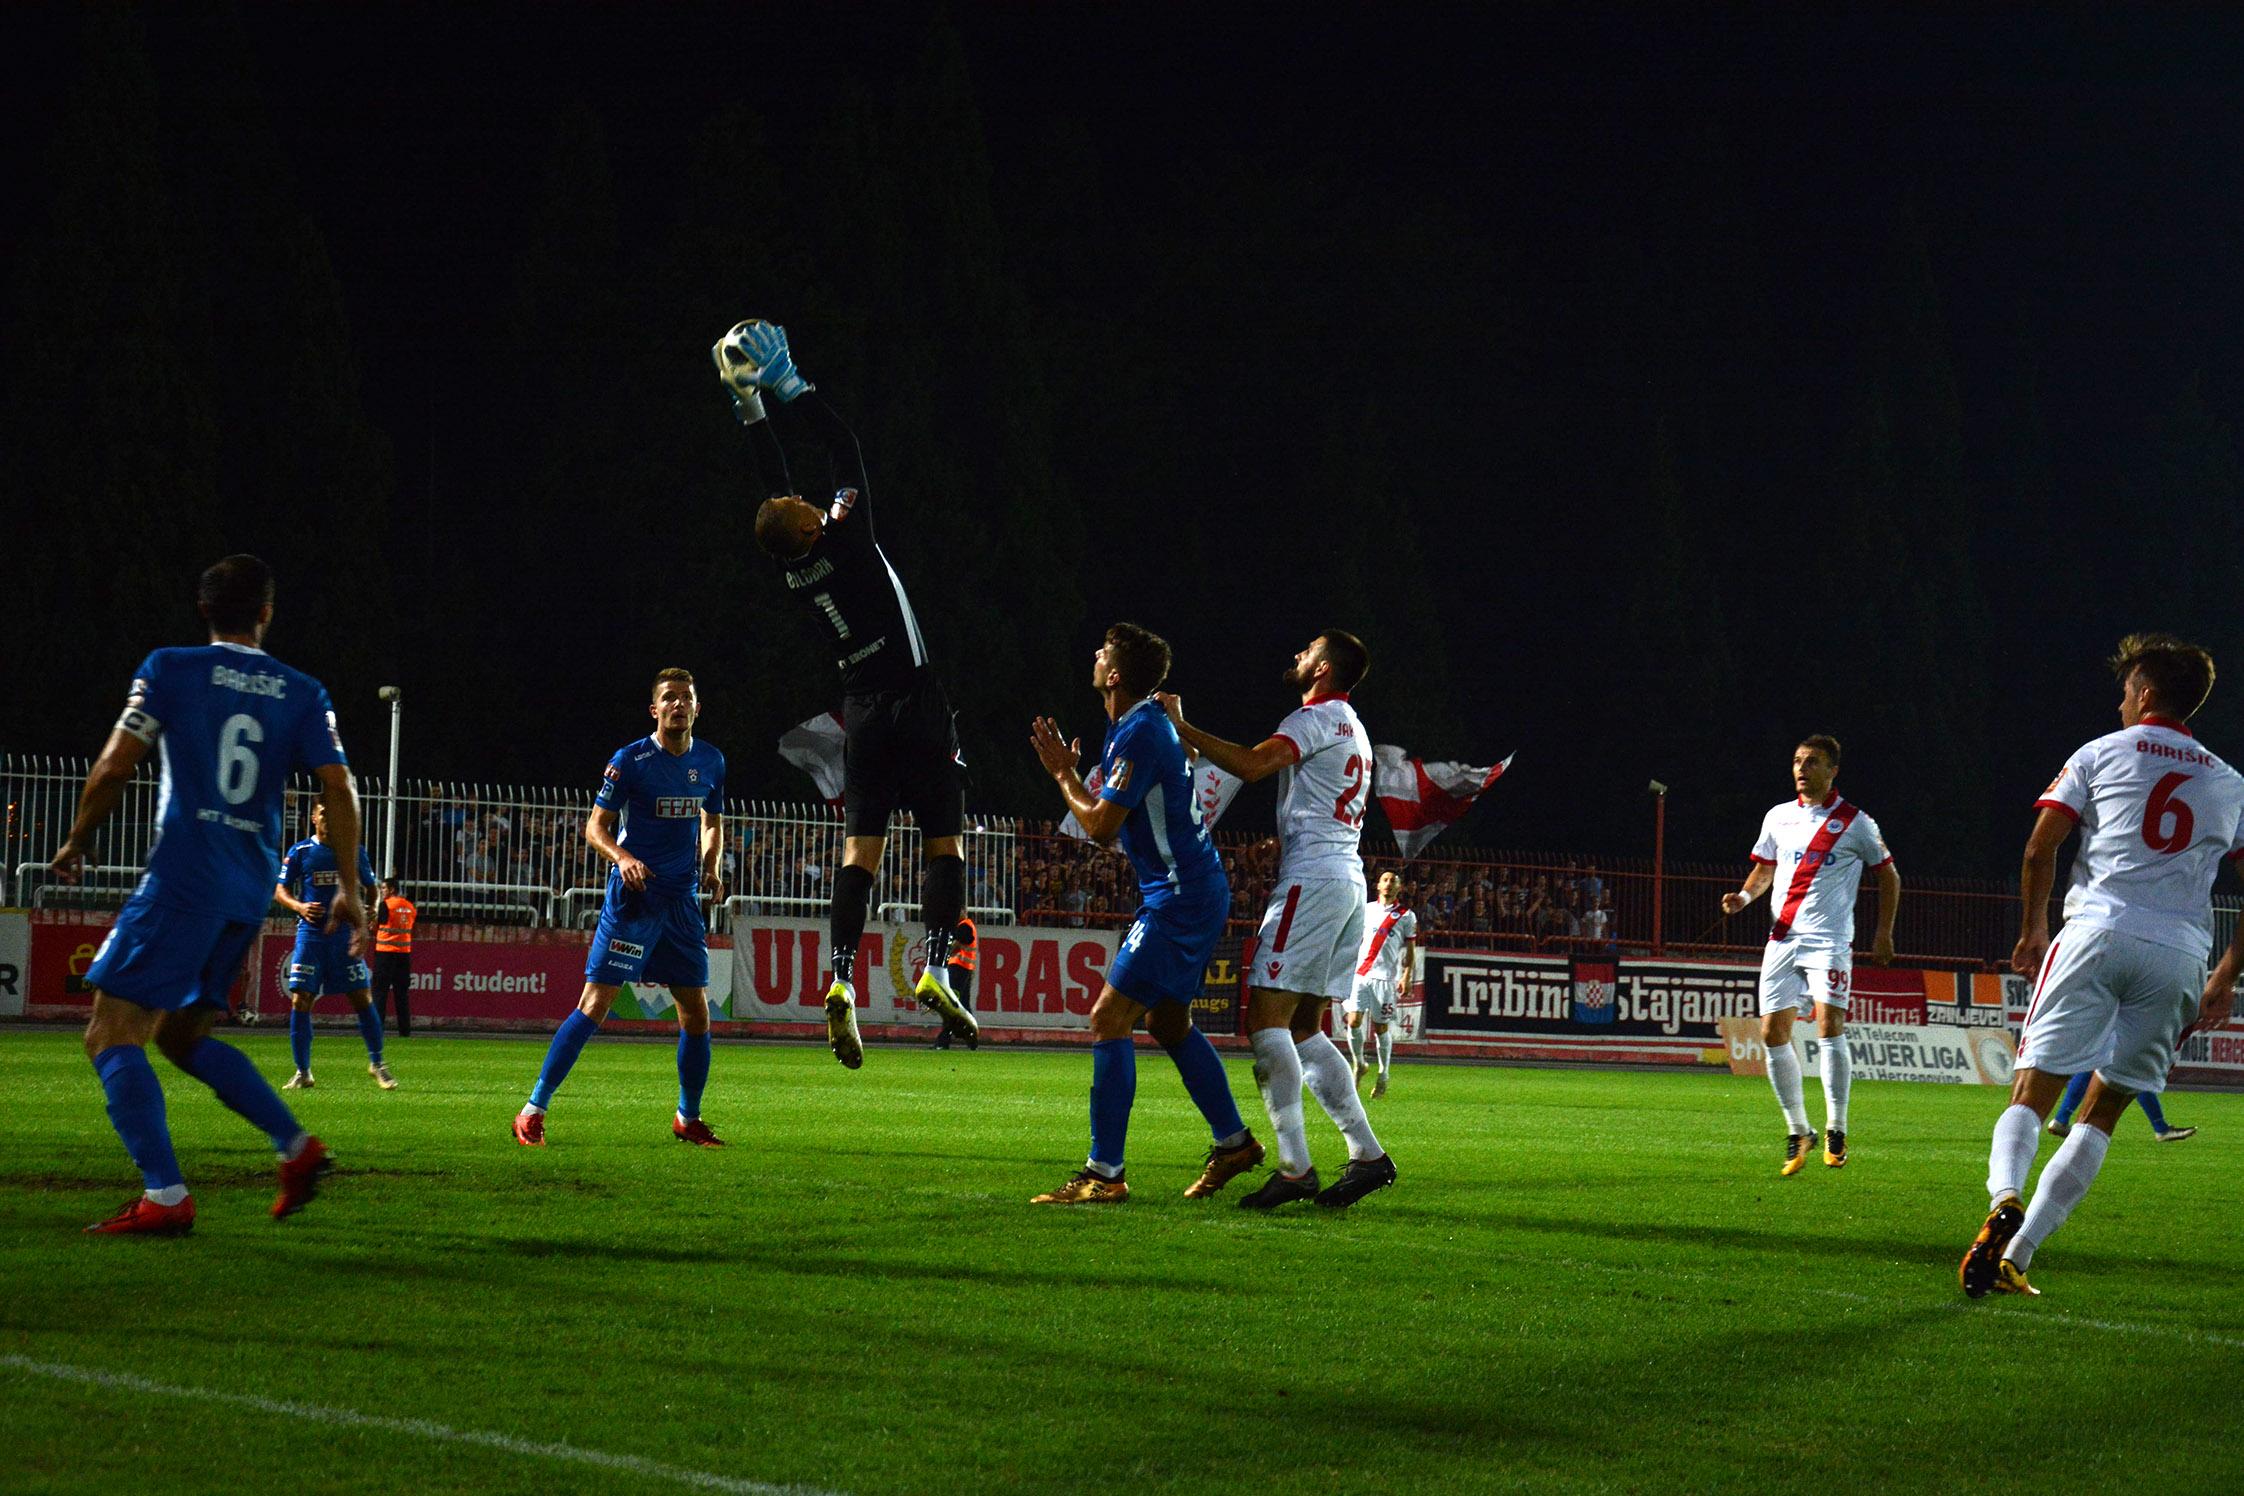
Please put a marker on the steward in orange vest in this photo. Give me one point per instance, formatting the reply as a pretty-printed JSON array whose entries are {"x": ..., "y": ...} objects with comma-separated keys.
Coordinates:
[
  {"x": 962, "y": 976},
  {"x": 394, "y": 916}
]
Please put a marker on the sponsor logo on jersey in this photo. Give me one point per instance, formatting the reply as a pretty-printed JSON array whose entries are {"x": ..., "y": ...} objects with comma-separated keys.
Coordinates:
[
  {"x": 677, "y": 807},
  {"x": 626, "y": 948},
  {"x": 259, "y": 684},
  {"x": 1119, "y": 780},
  {"x": 817, "y": 571},
  {"x": 138, "y": 695}
]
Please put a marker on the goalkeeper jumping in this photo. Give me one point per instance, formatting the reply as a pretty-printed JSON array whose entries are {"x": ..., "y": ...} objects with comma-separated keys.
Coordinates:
[{"x": 902, "y": 744}]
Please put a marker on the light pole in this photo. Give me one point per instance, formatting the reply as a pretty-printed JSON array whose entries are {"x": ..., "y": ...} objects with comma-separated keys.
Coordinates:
[
  {"x": 1659, "y": 868},
  {"x": 396, "y": 698}
]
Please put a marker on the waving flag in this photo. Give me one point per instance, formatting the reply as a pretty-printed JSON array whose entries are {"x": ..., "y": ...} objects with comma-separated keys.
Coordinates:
[
  {"x": 1211, "y": 786},
  {"x": 1073, "y": 827},
  {"x": 816, "y": 748},
  {"x": 1423, "y": 800}
]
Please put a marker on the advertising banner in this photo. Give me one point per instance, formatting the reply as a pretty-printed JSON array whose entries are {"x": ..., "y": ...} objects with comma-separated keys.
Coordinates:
[
  {"x": 15, "y": 961},
  {"x": 1529, "y": 1006},
  {"x": 1025, "y": 976},
  {"x": 1938, "y": 1055},
  {"x": 529, "y": 977}
]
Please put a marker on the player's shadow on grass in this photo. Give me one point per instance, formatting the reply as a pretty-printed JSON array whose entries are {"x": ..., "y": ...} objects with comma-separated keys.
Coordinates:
[{"x": 1941, "y": 1254}]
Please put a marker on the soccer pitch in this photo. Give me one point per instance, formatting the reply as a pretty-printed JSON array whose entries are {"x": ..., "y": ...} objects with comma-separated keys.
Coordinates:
[{"x": 1585, "y": 1281}]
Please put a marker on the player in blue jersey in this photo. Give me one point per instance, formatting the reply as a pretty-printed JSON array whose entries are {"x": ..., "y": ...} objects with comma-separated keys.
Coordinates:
[
  {"x": 233, "y": 723},
  {"x": 1145, "y": 798},
  {"x": 669, "y": 792},
  {"x": 322, "y": 964}
]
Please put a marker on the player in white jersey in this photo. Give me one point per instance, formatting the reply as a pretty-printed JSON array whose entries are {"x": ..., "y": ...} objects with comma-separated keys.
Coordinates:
[
  {"x": 1305, "y": 954},
  {"x": 2125, "y": 977},
  {"x": 1384, "y": 968},
  {"x": 1816, "y": 845}
]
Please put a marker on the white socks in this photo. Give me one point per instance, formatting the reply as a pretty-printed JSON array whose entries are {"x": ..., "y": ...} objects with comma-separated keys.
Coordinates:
[
  {"x": 2063, "y": 1182},
  {"x": 1784, "y": 1075},
  {"x": 2011, "y": 1158},
  {"x": 170, "y": 1194},
  {"x": 1838, "y": 1076},
  {"x": 1277, "y": 1073},
  {"x": 1386, "y": 1049},
  {"x": 1334, "y": 1085},
  {"x": 1355, "y": 1045}
]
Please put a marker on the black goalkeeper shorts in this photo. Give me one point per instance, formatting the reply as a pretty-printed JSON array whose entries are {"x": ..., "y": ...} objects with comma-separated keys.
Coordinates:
[{"x": 902, "y": 754}]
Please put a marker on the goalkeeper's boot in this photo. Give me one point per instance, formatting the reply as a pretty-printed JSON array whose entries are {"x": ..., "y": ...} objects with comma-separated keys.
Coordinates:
[
  {"x": 694, "y": 1131},
  {"x": 1982, "y": 1264},
  {"x": 1797, "y": 1148},
  {"x": 935, "y": 995},
  {"x": 381, "y": 1074},
  {"x": 1279, "y": 1190},
  {"x": 144, "y": 1217},
  {"x": 2011, "y": 1278},
  {"x": 1835, "y": 1148},
  {"x": 300, "y": 1177},
  {"x": 1087, "y": 1187},
  {"x": 1224, "y": 1165},
  {"x": 1360, "y": 1178},
  {"x": 529, "y": 1129},
  {"x": 300, "y": 1081},
  {"x": 841, "y": 1025}
]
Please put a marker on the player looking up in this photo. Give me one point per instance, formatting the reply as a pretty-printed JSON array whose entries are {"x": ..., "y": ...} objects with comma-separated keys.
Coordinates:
[
  {"x": 2157, "y": 815},
  {"x": 235, "y": 723},
  {"x": 1307, "y": 948},
  {"x": 324, "y": 964},
  {"x": 668, "y": 792},
  {"x": 1145, "y": 798},
  {"x": 1819, "y": 843},
  {"x": 902, "y": 748},
  {"x": 1383, "y": 972}
]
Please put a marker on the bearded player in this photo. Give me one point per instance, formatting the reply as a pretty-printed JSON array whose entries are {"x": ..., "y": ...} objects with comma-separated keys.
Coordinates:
[
  {"x": 1819, "y": 844},
  {"x": 1307, "y": 948},
  {"x": 2122, "y": 981},
  {"x": 902, "y": 750},
  {"x": 667, "y": 791},
  {"x": 1145, "y": 799},
  {"x": 1383, "y": 974}
]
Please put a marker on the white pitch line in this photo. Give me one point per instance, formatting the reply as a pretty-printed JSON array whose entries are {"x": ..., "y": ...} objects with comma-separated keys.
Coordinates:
[{"x": 419, "y": 1428}]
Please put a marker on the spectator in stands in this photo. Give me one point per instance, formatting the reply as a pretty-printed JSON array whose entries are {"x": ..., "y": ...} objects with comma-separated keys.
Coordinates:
[
  {"x": 1592, "y": 886},
  {"x": 1597, "y": 926}
]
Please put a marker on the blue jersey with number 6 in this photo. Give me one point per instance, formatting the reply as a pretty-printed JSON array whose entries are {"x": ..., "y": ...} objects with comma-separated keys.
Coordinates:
[{"x": 229, "y": 725}]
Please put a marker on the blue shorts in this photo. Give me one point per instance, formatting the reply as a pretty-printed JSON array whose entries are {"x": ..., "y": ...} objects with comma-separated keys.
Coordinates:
[
  {"x": 322, "y": 965},
  {"x": 649, "y": 936},
  {"x": 1163, "y": 957},
  {"x": 171, "y": 959}
]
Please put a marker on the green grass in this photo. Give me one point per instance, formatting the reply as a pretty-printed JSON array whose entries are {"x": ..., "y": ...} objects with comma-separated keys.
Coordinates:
[{"x": 1584, "y": 1282}]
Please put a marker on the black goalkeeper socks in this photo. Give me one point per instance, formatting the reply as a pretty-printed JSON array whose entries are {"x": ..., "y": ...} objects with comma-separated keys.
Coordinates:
[
  {"x": 943, "y": 901},
  {"x": 853, "y": 892}
]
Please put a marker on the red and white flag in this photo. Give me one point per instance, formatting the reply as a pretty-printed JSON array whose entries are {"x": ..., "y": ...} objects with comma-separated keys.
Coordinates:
[
  {"x": 1423, "y": 800},
  {"x": 1073, "y": 827},
  {"x": 816, "y": 748}
]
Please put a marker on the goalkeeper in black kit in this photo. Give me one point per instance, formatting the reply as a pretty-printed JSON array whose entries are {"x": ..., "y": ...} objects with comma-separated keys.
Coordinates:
[{"x": 902, "y": 746}]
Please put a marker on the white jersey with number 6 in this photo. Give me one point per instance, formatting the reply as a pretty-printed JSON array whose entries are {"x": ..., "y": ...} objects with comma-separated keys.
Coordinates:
[
  {"x": 1322, "y": 798},
  {"x": 2157, "y": 813}
]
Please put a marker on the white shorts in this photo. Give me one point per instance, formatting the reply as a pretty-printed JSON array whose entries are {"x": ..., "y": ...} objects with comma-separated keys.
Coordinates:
[
  {"x": 1374, "y": 998},
  {"x": 1310, "y": 936},
  {"x": 1796, "y": 979},
  {"x": 2113, "y": 1003}
]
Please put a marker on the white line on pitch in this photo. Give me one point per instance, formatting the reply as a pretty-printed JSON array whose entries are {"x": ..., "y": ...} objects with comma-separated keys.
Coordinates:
[{"x": 419, "y": 1428}]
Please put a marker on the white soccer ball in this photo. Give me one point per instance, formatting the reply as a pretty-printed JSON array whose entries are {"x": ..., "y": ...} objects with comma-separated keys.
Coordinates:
[
  {"x": 249, "y": 1017},
  {"x": 736, "y": 365}
]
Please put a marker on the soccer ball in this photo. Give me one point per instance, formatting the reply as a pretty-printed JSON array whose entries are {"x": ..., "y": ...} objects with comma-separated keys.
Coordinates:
[
  {"x": 736, "y": 365},
  {"x": 249, "y": 1017}
]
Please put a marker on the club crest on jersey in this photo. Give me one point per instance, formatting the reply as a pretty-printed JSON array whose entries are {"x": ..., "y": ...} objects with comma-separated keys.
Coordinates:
[
  {"x": 693, "y": 776},
  {"x": 1835, "y": 826}
]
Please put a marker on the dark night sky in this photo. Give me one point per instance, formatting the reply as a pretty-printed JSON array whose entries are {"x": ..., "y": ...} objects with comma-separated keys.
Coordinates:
[{"x": 1296, "y": 283}]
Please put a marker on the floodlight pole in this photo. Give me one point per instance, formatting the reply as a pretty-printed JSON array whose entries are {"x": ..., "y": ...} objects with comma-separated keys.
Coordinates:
[
  {"x": 396, "y": 698},
  {"x": 1659, "y": 868}
]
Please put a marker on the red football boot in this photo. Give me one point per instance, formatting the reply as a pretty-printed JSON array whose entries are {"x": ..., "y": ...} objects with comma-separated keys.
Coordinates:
[
  {"x": 696, "y": 1132},
  {"x": 529, "y": 1129},
  {"x": 144, "y": 1217},
  {"x": 300, "y": 1177}
]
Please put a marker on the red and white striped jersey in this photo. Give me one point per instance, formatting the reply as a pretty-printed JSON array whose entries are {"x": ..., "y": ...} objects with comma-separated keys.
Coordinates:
[
  {"x": 2157, "y": 813},
  {"x": 1387, "y": 928},
  {"x": 1819, "y": 852},
  {"x": 1322, "y": 798}
]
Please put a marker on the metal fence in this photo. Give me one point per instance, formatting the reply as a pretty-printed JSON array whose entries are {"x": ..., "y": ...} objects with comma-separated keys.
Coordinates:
[{"x": 511, "y": 854}]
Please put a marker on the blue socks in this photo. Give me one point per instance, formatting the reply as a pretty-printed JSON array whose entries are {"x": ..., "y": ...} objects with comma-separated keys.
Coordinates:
[
  {"x": 1114, "y": 1086},
  {"x": 693, "y": 1072},
  {"x": 568, "y": 1042},
  {"x": 227, "y": 1071},
  {"x": 2075, "y": 1089},
  {"x": 300, "y": 1037},
  {"x": 136, "y": 1110},
  {"x": 370, "y": 1029},
  {"x": 1210, "y": 1089},
  {"x": 2152, "y": 1109}
]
